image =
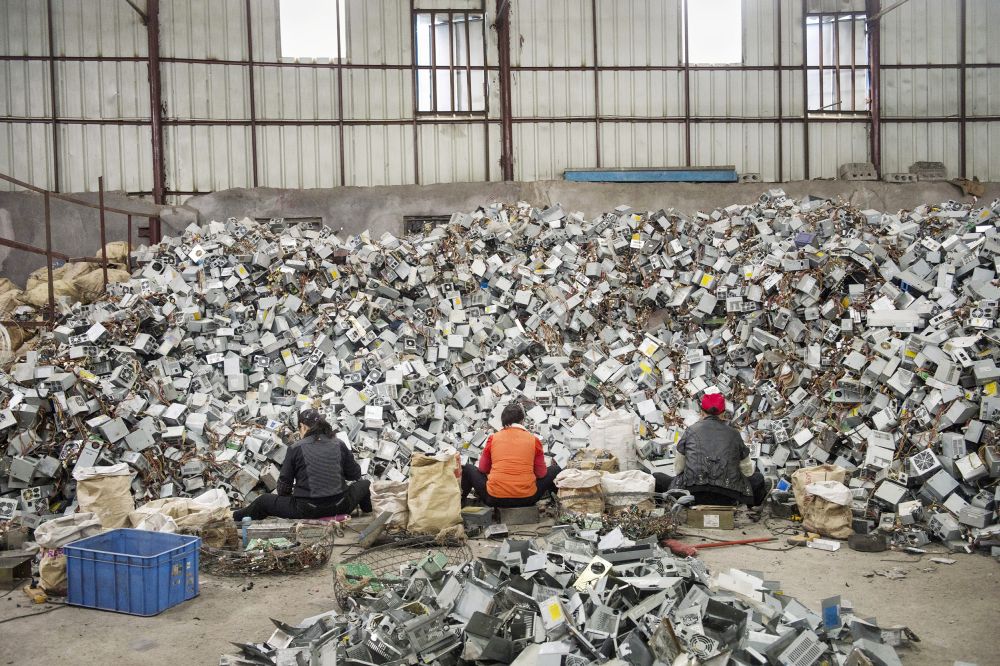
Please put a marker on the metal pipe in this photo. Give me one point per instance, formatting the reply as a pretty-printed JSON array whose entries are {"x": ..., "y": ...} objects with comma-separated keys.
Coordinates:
[
  {"x": 340, "y": 103},
  {"x": 18, "y": 245},
  {"x": 253, "y": 94},
  {"x": 597, "y": 86},
  {"x": 129, "y": 258},
  {"x": 416, "y": 102},
  {"x": 805, "y": 93},
  {"x": 69, "y": 199},
  {"x": 48, "y": 257},
  {"x": 433, "y": 38},
  {"x": 873, "y": 8},
  {"x": 53, "y": 100},
  {"x": 781, "y": 83},
  {"x": 104, "y": 240},
  {"x": 687, "y": 88},
  {"x": 468, "y": 62},
  {"x": 506, "y": 107},
  {"x": 155, "y": 98},
  {"x": 962, "y": 83},
  {"x": 486, "y": 101}
]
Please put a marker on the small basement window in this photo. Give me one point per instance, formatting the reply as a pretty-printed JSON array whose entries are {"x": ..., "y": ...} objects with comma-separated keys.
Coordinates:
[
  {"x": 451, "y": 74},
  {"x": 312, "y": 29},
  {"x": 714, "y": 32},
  {"x": 418, "y": 224}
]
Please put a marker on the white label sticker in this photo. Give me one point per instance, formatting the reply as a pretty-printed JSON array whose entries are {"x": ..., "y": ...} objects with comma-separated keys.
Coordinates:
[{"x": 711, "y": 520}]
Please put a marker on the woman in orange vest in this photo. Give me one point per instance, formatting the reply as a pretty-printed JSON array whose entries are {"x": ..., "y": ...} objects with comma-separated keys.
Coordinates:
[{"x": 512, "y": 470}]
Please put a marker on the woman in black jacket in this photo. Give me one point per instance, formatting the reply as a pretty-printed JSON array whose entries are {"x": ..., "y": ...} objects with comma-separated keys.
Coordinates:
[{"x": 314, "y": 478}]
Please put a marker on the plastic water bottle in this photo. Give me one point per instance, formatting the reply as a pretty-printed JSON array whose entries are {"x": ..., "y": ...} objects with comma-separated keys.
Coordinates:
[{"x": 246, "y": 530}]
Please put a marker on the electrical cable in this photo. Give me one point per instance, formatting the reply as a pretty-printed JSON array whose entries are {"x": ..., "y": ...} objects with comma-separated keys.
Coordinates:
[{"x": 21, "y": 617}]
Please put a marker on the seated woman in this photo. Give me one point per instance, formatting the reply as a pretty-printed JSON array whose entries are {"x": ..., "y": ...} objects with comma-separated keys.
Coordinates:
[
  {"x": 713, "y": 463},
  {"x": 314, "y": 476},
  {"x": 512, "y": 469}
]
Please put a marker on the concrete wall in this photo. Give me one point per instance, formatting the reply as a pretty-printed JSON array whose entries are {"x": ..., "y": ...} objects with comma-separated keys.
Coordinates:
[{"x": 351, "y": 210}]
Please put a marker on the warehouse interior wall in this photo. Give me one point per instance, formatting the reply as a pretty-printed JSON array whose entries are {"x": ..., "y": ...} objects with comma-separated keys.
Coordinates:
[{"x": 567, "y": 84}]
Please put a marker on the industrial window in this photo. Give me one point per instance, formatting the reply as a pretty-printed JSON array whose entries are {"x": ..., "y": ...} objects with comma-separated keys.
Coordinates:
[
  {"x": 451, "y": 75},
  {"x": 312, "y": 29},
  {"x": 837, "y": 61},
  {"x": 714, "y": 32},
  {"x": 418, "y": 224}
]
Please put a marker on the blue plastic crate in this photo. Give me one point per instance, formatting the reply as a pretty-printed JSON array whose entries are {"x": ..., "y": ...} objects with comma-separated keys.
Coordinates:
[{"x": 132, "y": 571}]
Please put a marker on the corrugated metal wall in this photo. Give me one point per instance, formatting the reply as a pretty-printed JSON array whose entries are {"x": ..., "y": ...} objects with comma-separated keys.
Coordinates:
[{"x": 584, "y": 94}]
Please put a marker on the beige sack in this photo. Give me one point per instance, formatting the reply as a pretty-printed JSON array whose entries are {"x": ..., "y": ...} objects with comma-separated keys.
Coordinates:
[
  {"x": 6, "y": 285},
  {"x": 590, "y": 458},
  {"x": 106, "y": 491},
  {"x": 117, "y": 252},
  {"x": 39, "y": 295},
  {"x": 630, "y": 488},
  {"x": 434, "y": 495},
  {"x": 391, "y": 496},
  {"x": 52, "y": 572},
  {"x": 826, "y": 518},
  {"x": 580, "y": 491},
  {"x": 90, "y": 287},
  {"x": 803, "y": 477}
]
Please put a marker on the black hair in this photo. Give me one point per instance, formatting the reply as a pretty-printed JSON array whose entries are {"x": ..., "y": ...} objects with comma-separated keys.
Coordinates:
[
  {"x": 512, "y": 413},
  {"x": 315, "y": 423}
]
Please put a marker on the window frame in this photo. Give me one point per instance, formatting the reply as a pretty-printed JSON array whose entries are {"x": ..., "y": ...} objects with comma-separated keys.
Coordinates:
[
  {"x": 451, "y": 68},
  {"x": 341, "y": 43},
  {"x": 828, "y": 110},
  {"x": 685, "y": 59}
]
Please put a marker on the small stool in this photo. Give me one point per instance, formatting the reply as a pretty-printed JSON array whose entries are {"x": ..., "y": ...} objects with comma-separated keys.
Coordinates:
[{"x": 522, "y": 515}]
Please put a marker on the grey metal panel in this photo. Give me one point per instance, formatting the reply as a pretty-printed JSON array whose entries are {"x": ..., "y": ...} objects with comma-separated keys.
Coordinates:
[
  {"x": 639, "y": 32},
  {"x": 921, "y": 32},
  {"x": 749, "y": 147},
  {"x": 23, "y": 30},
  {"x": 206, "y": 158},
  {"x": 734, "y": 94},
  {"x": 102, "y": 89},
  {"x": 554, "y": 33},
  {"x": 983, "y": 92},
  {"x": 548, "y": 94},
  {"x": 641, "y": 93},
  {"x": 203, "y": 29},
  {"x": 452, "y": 153},
  {"x": 920, "y": 92},
  {"x": 26, "y": 154},
  {"x": 298, "y": 156},
  {"x": 544, "y": 150},
  {"x": 984, "y": 162},
  {"x": 375, "y": 94},
  {"x": 628, "y": 144},
  {"x": 379, "y": 155},
  {"x": 120, "y": 153},
  {"x": 983, "y": 17},
  {"x": 760, "y": 43},
  {"x": 24, "y": 89},
  {"x": 97, "y": 28},
  {"x": 906, "y": 143},
  {"x": 296, "y": 93},
  {"x": 833, "y": 144},
  {"x": 215, "y": 92}
]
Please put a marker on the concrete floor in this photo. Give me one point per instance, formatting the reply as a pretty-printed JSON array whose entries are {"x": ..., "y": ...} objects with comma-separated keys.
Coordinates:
[{"x": 952, "y": 608}]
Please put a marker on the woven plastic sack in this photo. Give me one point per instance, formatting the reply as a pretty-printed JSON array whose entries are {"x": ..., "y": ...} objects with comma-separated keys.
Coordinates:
[
  {"x": 391, "y": 496},
  {"x": 627, "y": 489},
  {"x": 434, "y": 497},
  {"x": 580, "y": 491},
  {"x": 616, "y": 433},
  {"x": 90, "y": 286},
  {"x": 589, "y": 458},
  {"x": 826, "y": 509},
  {"x": 107, "y": 492},
  {"x": 58, "y": 532},
  {"x": 803, "y": 477}
]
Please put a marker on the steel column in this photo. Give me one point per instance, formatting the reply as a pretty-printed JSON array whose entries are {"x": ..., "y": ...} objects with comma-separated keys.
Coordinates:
[
  {"x": 253, "y": 95},
  {"x": 687, "y": 89},
  {"x": 962, "y": 95},
  {"x": 104, "y": 240},
  {"x": 155, "y": 98},
  {"x": 805, "y": 93},
  {"x": 781, "y": 75},
  {"x": 53, "y": 100},
  {"x": 873, "y": 8},
  {"x": 506, "y": 107},
  {"x": 48, "y": 257}
]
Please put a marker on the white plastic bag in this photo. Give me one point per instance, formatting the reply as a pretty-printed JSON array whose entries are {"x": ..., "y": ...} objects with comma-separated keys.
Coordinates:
[
  {"x": 58, "y": 532},
  {"x": 831, "y": 491},
  {"x": 616, "y": 433},
  {"x": 629, "y": 488}
]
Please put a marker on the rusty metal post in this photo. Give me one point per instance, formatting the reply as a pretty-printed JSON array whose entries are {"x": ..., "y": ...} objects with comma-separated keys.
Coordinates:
[
  {"x": 253, "y": 102},
  {"x": 54, "y": 101},
  {"x": 874, "y": 8},
  {"x": 155, "y": 98},
  {"x": 48, "y": 258},
  {"x": 128, "y": 260},
  {"x": 104, "y": 241},
  {"x": 506, "y": 106}
]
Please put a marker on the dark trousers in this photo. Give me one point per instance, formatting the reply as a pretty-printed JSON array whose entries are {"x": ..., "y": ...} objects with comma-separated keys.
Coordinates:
[
  {"x": 286, "y": 506},
  {"x": 704, "y": 496},
  {"x": 474, "y": 480}
]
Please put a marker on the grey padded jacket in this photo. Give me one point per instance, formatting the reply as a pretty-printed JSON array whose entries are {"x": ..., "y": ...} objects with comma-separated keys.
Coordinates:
[{"x": 713, "y": 450}]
